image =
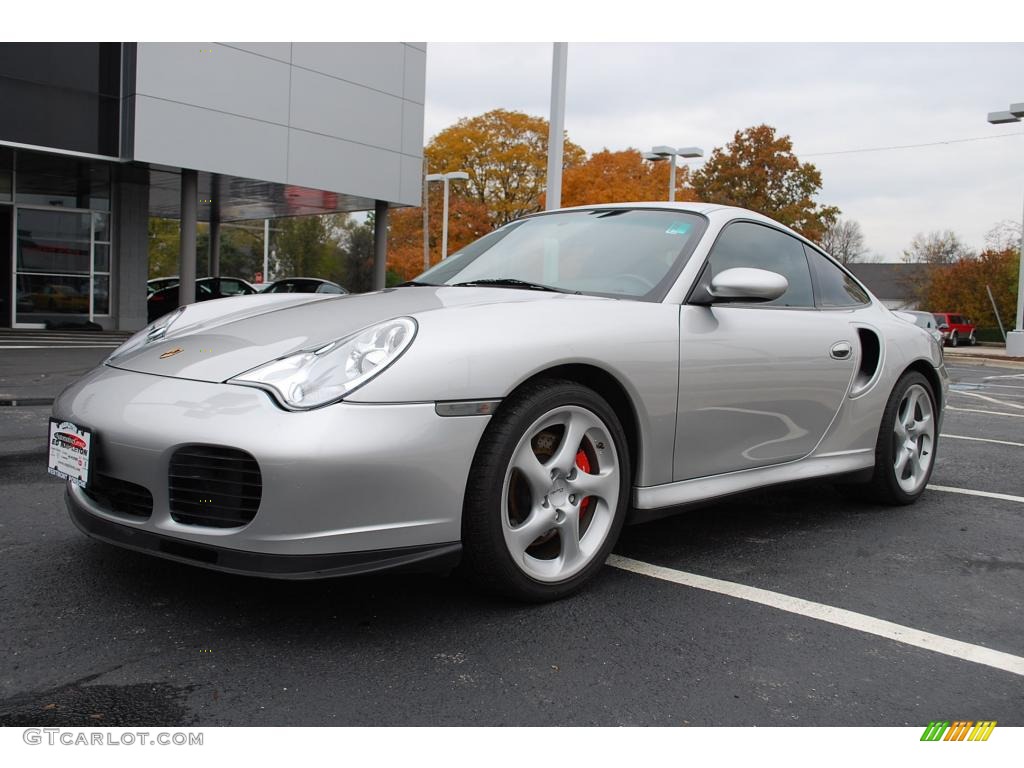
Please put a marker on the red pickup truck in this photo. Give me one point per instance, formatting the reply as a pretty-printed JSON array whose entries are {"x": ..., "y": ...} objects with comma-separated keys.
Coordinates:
[{"x": 956, "y": 329}]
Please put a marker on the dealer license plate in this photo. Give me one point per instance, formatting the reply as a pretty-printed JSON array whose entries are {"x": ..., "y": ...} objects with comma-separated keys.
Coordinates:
[{"x": 71, "y": 451}]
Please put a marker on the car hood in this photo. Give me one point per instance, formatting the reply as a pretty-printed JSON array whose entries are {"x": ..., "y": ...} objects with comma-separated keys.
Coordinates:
[{"x": 222, "y": 347}]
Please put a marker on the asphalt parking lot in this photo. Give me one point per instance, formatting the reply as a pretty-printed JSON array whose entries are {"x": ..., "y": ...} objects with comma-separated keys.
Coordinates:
[{"x": 94, "y": 635}]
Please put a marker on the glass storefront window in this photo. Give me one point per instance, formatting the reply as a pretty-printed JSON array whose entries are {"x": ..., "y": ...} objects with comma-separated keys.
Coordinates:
[
  {"x": 101, "y": 294},
  {"x": 62, "y": 182},
  {"x": 101, "y": 257},
  {"x": 101, "y": 227},
  {"x": 62, "y": 238},
  {"x": 55, "y": 252},
  {"x": 53, "y": 241},
  {"x": 52, "y": 294},
  {"x": 5, "y": 186}
]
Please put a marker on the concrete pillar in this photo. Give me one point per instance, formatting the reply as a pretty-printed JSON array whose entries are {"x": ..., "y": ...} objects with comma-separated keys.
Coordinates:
[
  {"x": 187, "y": 254},
  {"x": 130, "y": 267},
  {"x": 215, "y": 226},
  {"x": 380, "y": 244}
]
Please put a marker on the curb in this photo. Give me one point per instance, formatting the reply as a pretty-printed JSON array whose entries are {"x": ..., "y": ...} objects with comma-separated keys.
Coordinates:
[{"x": 1005, "y": 362}]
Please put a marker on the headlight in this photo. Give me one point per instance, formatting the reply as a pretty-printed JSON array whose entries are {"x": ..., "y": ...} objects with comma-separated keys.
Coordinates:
[
  {"x": 316, "y": 377},
  {"x": 152, "y": 332}
]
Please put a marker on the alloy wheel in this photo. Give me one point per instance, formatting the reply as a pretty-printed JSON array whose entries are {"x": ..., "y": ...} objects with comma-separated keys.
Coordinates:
[
  {"x": 560, "y": 493},
  {"x": 913, "y": 439}
]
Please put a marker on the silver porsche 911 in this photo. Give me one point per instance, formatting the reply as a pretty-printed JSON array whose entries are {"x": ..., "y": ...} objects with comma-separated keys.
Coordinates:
[{"x": 510, "y": 409}]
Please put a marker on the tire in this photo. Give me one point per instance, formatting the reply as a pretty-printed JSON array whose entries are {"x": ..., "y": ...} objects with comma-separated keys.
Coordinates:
[
  {"x": 954, "y": 339},
  {"x": 530, "y": 529},
  {"x": 972, "y": 339},
  {"x": 912, "y": 402}
]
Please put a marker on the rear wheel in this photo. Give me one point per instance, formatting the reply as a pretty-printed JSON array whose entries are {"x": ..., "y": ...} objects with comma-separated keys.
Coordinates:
[
  {"x": 547, "y": 493},
  {"x": 907, "y": 439}
]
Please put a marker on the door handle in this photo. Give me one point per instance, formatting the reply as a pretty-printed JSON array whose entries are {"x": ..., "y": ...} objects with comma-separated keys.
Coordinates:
[{"x": 841, "y": 350}]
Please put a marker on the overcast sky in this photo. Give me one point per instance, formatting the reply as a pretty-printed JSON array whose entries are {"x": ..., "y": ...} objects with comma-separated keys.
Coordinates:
[{"x": 827, "y": 97}]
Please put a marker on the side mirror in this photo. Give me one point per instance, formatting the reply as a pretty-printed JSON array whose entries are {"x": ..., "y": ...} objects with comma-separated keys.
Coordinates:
[
  {"x": 943, "y": 327},
  {"x": 747, "y": 284}
]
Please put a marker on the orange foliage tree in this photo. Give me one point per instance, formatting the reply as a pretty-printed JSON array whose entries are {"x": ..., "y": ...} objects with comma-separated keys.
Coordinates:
[
  {"x": 758, "y": 170},
  {"x": 505, "y": 154},
  {"x": 617, "y": 177},
  {"x": 961, "y": 287},
  {"x": 467, "y": 221}
]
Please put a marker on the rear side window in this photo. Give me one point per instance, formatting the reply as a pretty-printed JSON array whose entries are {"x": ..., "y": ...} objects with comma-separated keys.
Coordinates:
[
  {"x": 834, "y": 287},
  {"x": 328, "y": 288},
  {"x": 231, "y": 288},
  {"x": 957, "y": 320},
  {"x": 743, "y": 244}
]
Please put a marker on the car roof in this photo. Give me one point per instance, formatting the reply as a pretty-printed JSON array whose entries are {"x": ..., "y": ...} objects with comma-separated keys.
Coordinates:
[{"x": 688, "y": 207}]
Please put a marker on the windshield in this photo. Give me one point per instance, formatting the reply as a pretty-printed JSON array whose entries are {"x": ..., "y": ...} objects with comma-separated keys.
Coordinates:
[{"x": 624, "y": 253}]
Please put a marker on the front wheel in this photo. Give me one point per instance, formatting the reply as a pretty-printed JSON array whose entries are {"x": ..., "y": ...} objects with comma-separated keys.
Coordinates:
[
  {"x": 954, "y": 340},
  {"x": 907, "y": 439},
  {"x": 547, "y": 493}
]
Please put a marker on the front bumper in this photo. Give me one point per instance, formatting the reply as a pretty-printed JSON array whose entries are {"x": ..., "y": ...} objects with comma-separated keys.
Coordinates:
[
  {"x": 422, "y": 559},
  {"x": 346, "y": 479}
]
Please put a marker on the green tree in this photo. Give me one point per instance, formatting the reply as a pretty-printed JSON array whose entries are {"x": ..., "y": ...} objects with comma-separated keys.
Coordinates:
[
  {"x": 505, "y": 154},
  {"x": 758, "y": 170}
]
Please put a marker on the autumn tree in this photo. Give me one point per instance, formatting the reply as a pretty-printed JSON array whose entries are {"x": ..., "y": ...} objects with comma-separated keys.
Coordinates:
[
  {"x": 505, "y": 154},
  {"x": 937, "y": 248},
  {"x": 962, "y": 286},
  {"x": 468, "y": 220},
  {"x": 758, "y": 170},
  {"x": 844, "y": 241},
  {"x": 614, "y": 177}
]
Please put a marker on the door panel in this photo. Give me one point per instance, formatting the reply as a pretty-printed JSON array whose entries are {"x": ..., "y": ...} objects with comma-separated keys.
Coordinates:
[{"x": 757, "y": 385}]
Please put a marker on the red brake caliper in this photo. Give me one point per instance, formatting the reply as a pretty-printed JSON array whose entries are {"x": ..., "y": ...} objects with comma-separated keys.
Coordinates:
[{"x": 583, "y": 463}]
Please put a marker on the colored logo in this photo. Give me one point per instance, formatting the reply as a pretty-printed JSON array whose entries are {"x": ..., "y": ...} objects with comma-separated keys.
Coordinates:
[
  {"x": 171, "y": 353},
  {"x": 959, "y": 730}
]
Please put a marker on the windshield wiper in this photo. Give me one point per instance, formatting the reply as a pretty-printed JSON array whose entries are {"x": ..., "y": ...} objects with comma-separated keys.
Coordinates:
[
  {"x": 511, "y": 282},
  {"x": 414, "y": 282}
]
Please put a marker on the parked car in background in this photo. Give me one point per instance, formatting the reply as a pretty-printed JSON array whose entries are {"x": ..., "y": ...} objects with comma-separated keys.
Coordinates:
[
  {"x": 165, "y": 300},
  {"x": 303, "y": 285},
  {"x": 956, "y": 329},
  {"x": 159, "y": 283},
  {"x": 924, "y": 320}
]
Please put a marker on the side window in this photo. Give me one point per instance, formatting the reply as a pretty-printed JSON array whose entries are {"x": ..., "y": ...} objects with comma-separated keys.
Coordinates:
[
  {"x": 834, "y": 287},
  {"x": 328, "y": 288},
  {"x": 231, "y": 288},
  {"x": 743, "y": 244}
]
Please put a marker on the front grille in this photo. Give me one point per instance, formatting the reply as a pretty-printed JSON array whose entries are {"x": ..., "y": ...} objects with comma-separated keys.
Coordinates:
[
  {"x": 120, "y": 496},
  {"x": 214, "y": 486}
]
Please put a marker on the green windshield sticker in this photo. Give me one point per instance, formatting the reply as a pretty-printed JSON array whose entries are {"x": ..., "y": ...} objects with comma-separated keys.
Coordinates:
[{"x": 678, "y": 228}]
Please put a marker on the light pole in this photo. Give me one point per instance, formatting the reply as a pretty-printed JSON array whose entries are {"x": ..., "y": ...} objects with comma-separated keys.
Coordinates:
[
  {"x": 446, "y": 177},
  {"x": 556, "y": 126},
  {"x": 662, "y": 152},
  {"x": 1015, "y": 338}
]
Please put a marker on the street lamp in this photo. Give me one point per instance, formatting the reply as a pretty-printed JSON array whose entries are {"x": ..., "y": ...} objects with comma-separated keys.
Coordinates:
[
  {"x": 662, "y": 152},
  {"x": 1015, "y": 339},
  {"x": 445, "y": 177}
]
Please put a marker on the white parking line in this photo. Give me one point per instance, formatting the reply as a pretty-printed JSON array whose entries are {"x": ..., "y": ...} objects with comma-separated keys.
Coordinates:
[
  {"x": 944, "y": 436},
  {"x": 830, "y": 614},
  {"x": 983, "y": 494},
  {"x": 993, "y": 413},
  {"x": 988, "y": 399},
  {"x": 1006, "y": 376}
]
